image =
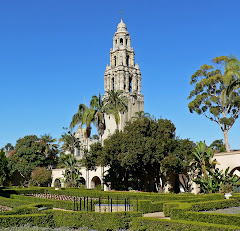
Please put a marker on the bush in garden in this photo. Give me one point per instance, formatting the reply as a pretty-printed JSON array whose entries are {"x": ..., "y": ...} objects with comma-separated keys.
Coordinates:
[{"x": 41, "y": 176}]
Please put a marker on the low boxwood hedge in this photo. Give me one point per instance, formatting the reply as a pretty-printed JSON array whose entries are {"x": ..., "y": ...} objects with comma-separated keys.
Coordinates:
[
  {"x": 41, "y": 220},
  {"x": 12, "y": 202},
  {"x": 68, "y": 205},
  {"x": 156, "y": 224},
  {"x": 98, "y": 221}
]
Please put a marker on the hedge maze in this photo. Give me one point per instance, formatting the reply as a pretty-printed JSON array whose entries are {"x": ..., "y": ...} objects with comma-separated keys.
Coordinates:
[{"x": 46, "y": 207}]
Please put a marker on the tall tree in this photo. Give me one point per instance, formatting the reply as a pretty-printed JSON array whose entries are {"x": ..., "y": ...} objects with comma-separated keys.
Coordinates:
[
  {"x": 70, "y": 142},
  {"x": 96, "y": 103},
  {"x": 3, "y": 166},
  {"x": 51, "y": 147},
  {"x": 28, "y": 154},
  {"x": 77, "y": 118},
  {"x": 115, "y": 103},
  {"x": 72, "y": 173},
  {"x": 209, "y": 96},
  {"x": 135, "y": 156},
  {"x": 141, "y": 114},
  {"x": 232, "y": 74}
]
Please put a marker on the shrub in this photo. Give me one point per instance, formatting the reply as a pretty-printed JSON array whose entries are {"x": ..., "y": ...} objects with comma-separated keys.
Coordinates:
[
  {"x": 41, "y": 176},
  {"x": 99, "y": 221},
  {"x": 156, "y": 224},
  {"x": 42, "y": 220}
]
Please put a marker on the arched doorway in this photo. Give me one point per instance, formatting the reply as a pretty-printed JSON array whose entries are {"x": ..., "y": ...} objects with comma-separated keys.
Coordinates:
[
  {"x": 95, "y": 182},
  {"x": 235, "y": 171},
  {"x": 57, "y": 183}
]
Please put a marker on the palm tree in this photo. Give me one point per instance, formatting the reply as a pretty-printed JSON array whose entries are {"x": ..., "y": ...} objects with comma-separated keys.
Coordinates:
[
  {"x": 204, "y": 158},
  {"x": 50, "y": 146},
  {"x": 70, "y": 142},
  {"x": 9, "y": 147},
  {"x": 70, "y": 163},
  {"x": 77, "y": 118},
  {"x": 141, "y": 114},
  {"x": 115, "y": 103},
  {"x": 96, "y": 103}
]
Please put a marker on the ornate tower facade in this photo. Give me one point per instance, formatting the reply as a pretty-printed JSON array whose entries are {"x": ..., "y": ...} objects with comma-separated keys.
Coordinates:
[{"x": 123, "y": 74}]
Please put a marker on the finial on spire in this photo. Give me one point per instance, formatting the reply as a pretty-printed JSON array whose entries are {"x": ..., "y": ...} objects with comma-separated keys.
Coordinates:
[{"x": 121, "y": 14}]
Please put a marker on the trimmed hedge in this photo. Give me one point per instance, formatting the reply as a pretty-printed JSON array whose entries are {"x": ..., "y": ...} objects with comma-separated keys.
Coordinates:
[
  {"x": 27, "y": 209},
  {"x": 68, "y": 205},
  {"x": 176, "y": 209},
  {"x": 215, "y": 218},
  {"x": 41, "y": 220},
  {"x": 12, "y": 202},
  {"x": 156, "y": 224},
  {"x": 99, "y": 221}
]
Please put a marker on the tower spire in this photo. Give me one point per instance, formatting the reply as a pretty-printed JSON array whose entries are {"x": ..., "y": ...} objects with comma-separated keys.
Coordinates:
[{"x": 124, "y": 75}]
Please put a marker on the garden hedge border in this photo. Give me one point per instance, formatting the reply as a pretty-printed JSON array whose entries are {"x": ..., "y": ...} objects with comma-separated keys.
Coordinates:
[
  {"x": 98, "y": 221},
  {"x": 156, "y": 224}
]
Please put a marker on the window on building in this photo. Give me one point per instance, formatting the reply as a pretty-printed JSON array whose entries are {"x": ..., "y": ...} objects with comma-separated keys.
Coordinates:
[
  {"x": 121, "y": 41},
  {"x": 127, "y": 60},
  {"x": 130, "y": 84},
  {"x": 116, "y": 41},
  {"x": 126, "y": 41},
  {"x": 78, "y": 152},
  {"x": 113, "y": 83},
  {"x": 115, "y": 61}
]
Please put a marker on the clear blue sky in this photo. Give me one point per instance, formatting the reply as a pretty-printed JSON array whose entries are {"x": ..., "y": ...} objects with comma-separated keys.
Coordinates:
[{"x": 53, "y": 53}]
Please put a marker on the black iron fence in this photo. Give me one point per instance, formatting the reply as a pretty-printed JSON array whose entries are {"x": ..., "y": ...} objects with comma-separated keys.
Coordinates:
[{"x": 86, "y": 204}]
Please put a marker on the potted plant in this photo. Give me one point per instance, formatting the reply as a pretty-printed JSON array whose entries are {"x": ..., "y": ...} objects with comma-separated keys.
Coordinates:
[{"x": 227, "y": 189}]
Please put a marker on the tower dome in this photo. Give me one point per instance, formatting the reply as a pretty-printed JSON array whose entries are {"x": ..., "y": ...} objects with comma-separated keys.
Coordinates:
[{"x": 121, "y": 27}]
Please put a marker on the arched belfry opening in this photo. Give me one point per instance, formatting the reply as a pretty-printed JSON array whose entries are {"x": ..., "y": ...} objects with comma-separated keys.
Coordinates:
[{"x": 121, "y": 41}]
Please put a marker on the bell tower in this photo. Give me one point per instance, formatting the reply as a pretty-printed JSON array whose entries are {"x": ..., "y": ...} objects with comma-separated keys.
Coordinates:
[{"x": 123, "y": 74}]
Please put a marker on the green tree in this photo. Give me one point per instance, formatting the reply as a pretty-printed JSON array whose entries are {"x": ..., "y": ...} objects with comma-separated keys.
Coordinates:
[
  {"x": 93, "y": 158},
  {"x": 115, "y": 103},
  {"x": 77, "y": 118},
  {"x": 9, "y": 147},
  {"x": 86, "y": 116},
  {"x": 41, "y": 176},
  {"x": 136, "y": 155},
  {"x": 70, "y": 142},
  {"x": 71, "y": 174},
  {"x": 51, "y": 147},
  {"x": 3, "y": 166},
  {"x": 141, "y": 114},
  {"x": 51, "y": 150},
  {"x": 210, "y": 178},
  {"x": 218, "y": 145},
  {"x": 96, "y": 104},
  {"x": 177, "y": 164},
  {"x": 209, "y": 96},
  {"x": 28, "y": 154},
  {"x": 232, "y": 75}
]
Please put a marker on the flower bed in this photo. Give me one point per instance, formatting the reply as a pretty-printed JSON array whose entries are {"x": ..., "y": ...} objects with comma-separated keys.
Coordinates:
[{"x": 52, "y": 196}]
